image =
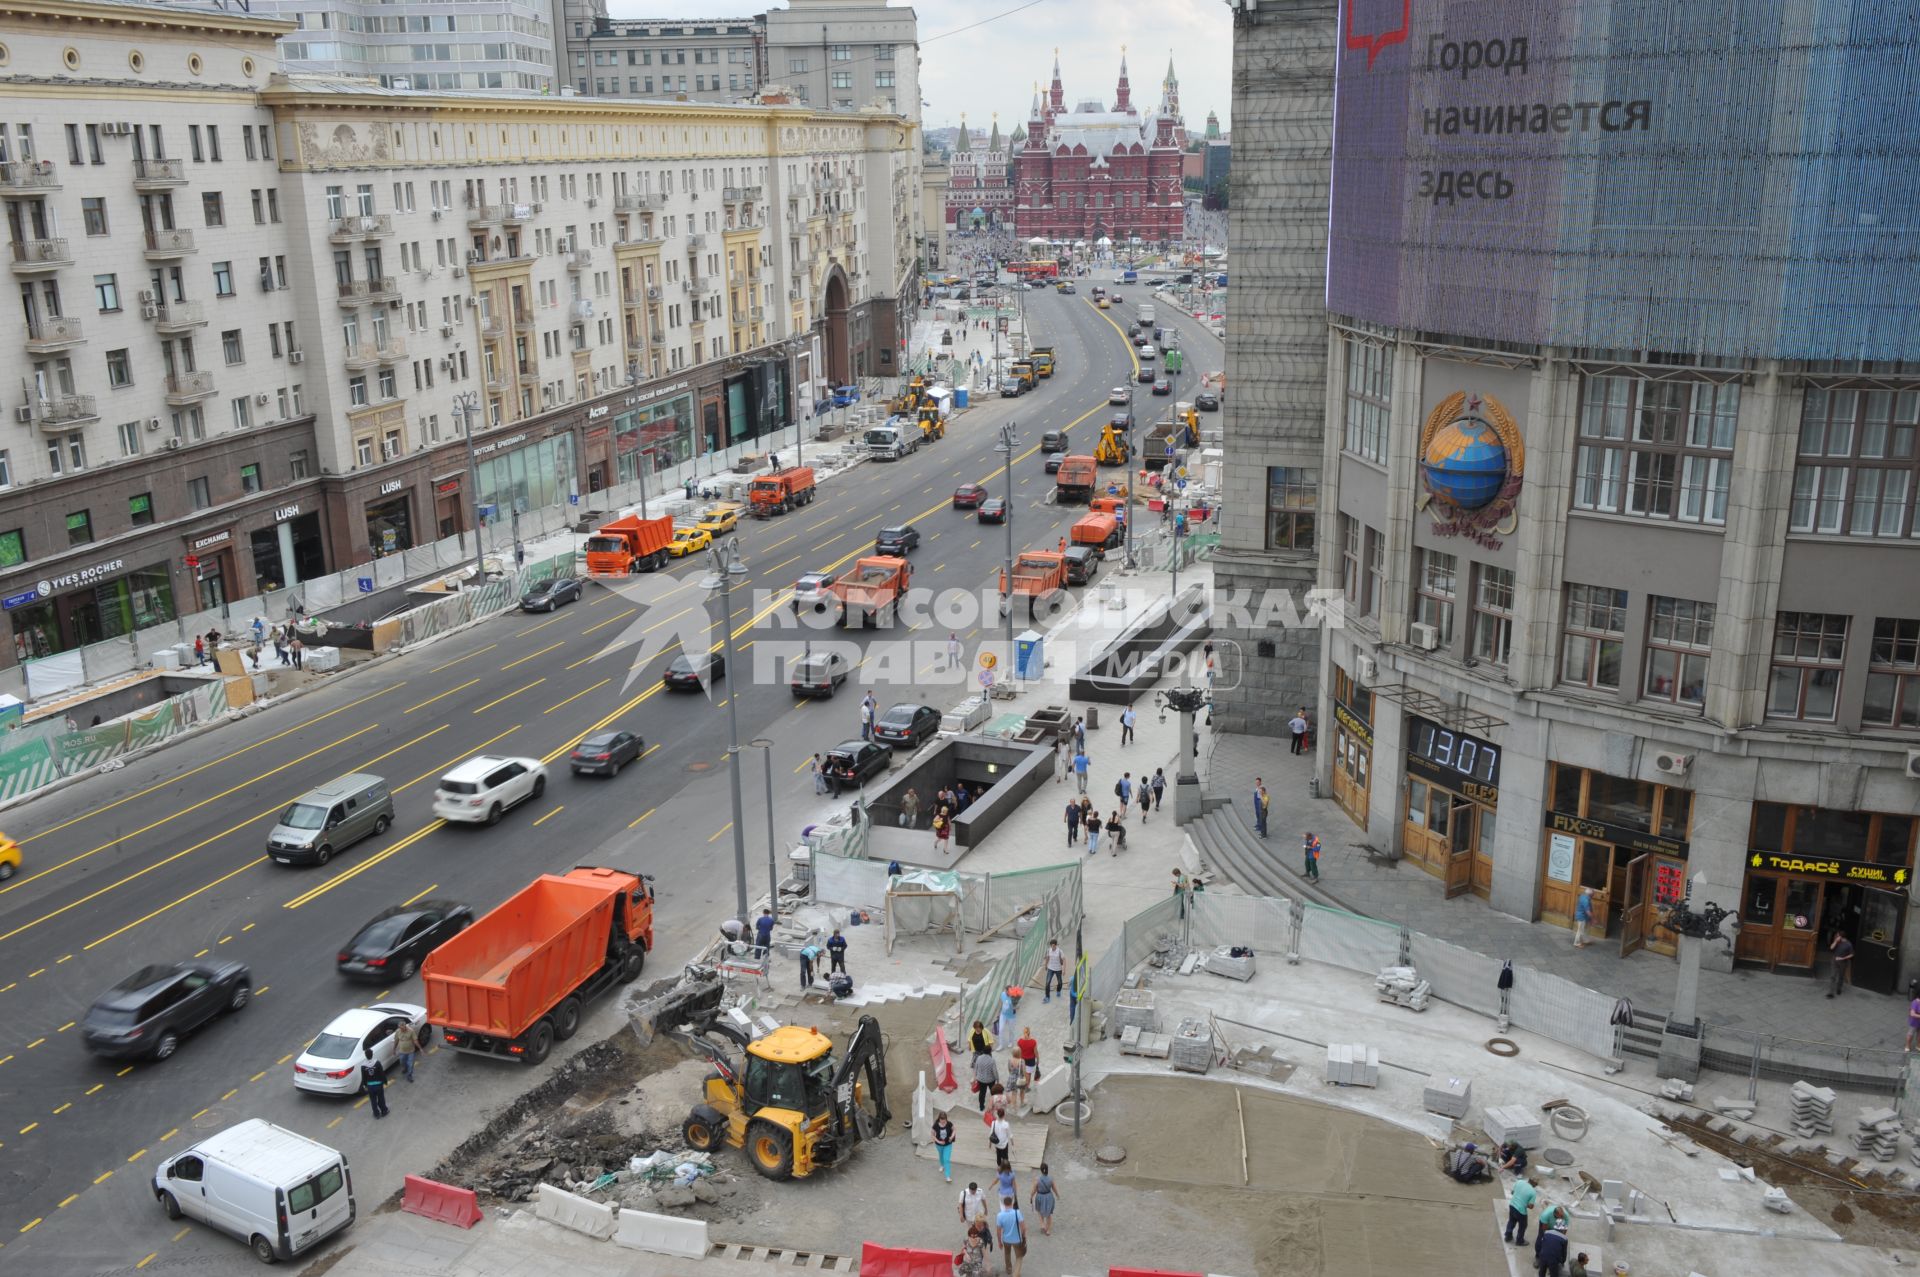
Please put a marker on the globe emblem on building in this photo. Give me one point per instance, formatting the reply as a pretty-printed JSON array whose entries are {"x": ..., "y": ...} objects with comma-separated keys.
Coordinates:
[{"x": 1465, "y": 463}]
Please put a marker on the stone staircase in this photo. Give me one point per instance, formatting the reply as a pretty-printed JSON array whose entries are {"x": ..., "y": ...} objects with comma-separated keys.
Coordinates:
[{"x": 1227, "y": 844}]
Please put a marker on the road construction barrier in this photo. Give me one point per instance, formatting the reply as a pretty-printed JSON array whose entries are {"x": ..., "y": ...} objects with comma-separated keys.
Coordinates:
[
  {"x": 557, "y": 1206},
  {"x": 1149, "y": 1272},
  {"x": 903, "y": 1261},
  {"x": 442, "y": 1202},
  {"x": 661, "y": 1234}
]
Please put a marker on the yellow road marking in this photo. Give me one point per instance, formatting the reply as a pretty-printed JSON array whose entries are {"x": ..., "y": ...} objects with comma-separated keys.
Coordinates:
[
  {"x": 30, "y": 1225},
  {"x": 642, "y": 816},
  {"x": 541, "y": 626},
  {"x": 96, "y": 1087},
  {"x": 68, "y": 1025},
  {"x": 549, "y": 816},
  {"x": 103, "y": 1178},
  {"x": 469, "y": 656},
  {"x": 441, "y": 697},
  {"x": 349, "y": 874},
  {"x": 716, "y": 833},
  {"x": 261, "y": 860},
  {"x": 255, "y": 1078},
  {"x": 66, "y": 1201},
  {"x": 335, "y": 1122},
  {"x": 576, "y": 696},
  {"x": 148, "y": 1260},
  {"x": 409, "y": 900},
  {"x": 530, "y": 655},
  {"x": 609, "y": 621},
  {"x": 30, "y": 1126},
  {"x": 34, "y": 1043},
  {"x": 510, "y": 695},
  {"x": 63, "y": 1108},
  {"x": 169, "y": 1135},
  {"x": 137, "y": 1156}
]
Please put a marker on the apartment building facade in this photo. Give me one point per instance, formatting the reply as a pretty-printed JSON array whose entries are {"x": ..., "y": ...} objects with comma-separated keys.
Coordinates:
[
  {"x": 250, "y": 306},
  {"x": 426, "y": 45}
]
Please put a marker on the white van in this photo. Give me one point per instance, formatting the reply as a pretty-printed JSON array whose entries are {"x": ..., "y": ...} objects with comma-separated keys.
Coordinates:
[{"x": 279, "y": 1192}]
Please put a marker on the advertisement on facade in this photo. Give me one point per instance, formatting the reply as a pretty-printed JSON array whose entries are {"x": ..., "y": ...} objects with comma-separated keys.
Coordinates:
[{"x": 1521, "y": 171}]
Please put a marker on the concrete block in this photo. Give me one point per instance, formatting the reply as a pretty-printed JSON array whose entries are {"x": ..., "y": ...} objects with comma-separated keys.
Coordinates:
[
  {"x": 1448, "y": 1096},
  {"x": 1339, "y": 1063},
  {"x": 557, "y": 1206},
  {"x": 1515, "y": 1122},
  {"x": 661, "y": 1234},
  {"x": 1053, "y": 1087}
]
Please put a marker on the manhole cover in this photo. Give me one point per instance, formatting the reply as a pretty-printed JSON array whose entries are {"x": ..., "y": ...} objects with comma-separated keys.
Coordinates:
[
  {"x": 1110, "y": 1155},
  {"x": 699, "y": 767},
  {"x": 1558, "y": 1156}
]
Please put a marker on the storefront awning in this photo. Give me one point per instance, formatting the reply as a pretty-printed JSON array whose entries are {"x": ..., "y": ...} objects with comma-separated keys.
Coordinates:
[{"x": 1458, "y": 717}]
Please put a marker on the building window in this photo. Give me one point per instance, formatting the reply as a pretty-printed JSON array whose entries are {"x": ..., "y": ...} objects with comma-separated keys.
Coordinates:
[
  {"x": 140, "y": 509},
  {"x": 1492, "y": 614},
  {"x": 230, "y": 346},
  {"x": 129, "y": 438},
  {"x": 1351, "y": 582},
  {"x": 1433, "y": 598},
  {"x": 301, "y": 466},
  {"x": 883, "y": 53},
  {"x": 212, "y": 208},
  {"x": 843, "y": 79},
  {"x": 119, "y": 370},
  {"x": 250, "y": 477},
  {"x": 1369, "y": 399},
  {"x": 883, "y": 79},
  {"x": 1679, "y": 637},
  {"x": 357, "y": 391},
  {"x": 93, "y": 212},
  {"x": 841, "y": 53},
  {"x": 1595, "y": 636},
  {"x": 1293, "y": 494},
  {"x": 1656, "y": 449},
  {"x": 796, "y": 66},
  {"x": 13, "y": 548},
  {"x": 197, "y": 494},
  {"x": 1858, "y": 467},
  {"x": 223, "y": 279},
  {"x": 242, "y": 413},
  {"x": 80, "y": 527},
  {"x": 1376, "y": 572},
  {"x": 1893, "y": 675},
  {"x": 106, "y": 292},
  {"x": 1808, "y": 649}
]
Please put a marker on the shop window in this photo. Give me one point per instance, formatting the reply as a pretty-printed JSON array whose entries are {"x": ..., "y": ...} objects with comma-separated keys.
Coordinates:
[
  {"x": 1803, "y": 901},
  {"x": 1619, "y": 801},
  {"x": 1417, "y": 797},
  {"x": 1492, "y": 614},
  {"x": 1349, "y": 692},
  {"x": 1676, "y": 813},
  {"x": 1893, "y": 675},
  {"x": 1859, "y": 463},
  {"x": 1679, "y": 637},
  {"x": 1293, "y": 495},
  {"x": 1656, "y": 449},
  {"x": 1808, "y": 650},
  {"x": 1827, "y": 833},
  {"x": 1595, "y": 636},
  {"x": 1433, "y": 599}
]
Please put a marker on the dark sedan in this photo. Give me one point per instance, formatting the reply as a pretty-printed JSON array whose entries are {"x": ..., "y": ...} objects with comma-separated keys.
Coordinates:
[
  {"x": 393, "y": 943},
  {"x": 1053, "y": 461},
  {"x": 605, "y": 753},
  {"x": 897, "y": 541},
  {"x": 1207, "y": 401},
  {"x": 550, "y": 594},
  {"x": 968, "y": 496},
  {"x": 993, "y": 510},
  {"x": 1147, "y": 373},
  {"x": 1161, "y": 386},
  {"x": 852, "y": 763},
  {"x": 148, "y": 1013},
  {"x": 909, "y": 726},
  {"x": 692, "y": 673}
]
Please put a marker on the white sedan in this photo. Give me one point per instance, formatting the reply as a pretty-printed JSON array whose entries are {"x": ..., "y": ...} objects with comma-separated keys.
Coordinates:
[
  {"x": 331, "y": 1063},
  {"x": 1118, "y": 394}
]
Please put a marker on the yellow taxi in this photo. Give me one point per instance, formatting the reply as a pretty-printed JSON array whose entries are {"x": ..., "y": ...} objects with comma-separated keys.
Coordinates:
[
  {"x": 720, "y": 520},
  {"x": 9, "y": 857},
  {"x": 1102, "y": 303},
  {"x": 688, "y": 540}
]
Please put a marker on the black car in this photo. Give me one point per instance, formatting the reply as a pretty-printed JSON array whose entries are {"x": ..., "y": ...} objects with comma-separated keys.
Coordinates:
[
  {"x": 550, "y": 594},
  {"x": 1121, "y": 421},
  {"x": 1207, "y": 401},
  {"x": 993, "y": 510},
  {"x": 606, "y": 752},
  {"x": 852, "y": 763},
  {"x": 907, "y": 725},
  {"x": 694, "y": 672},
  {"x": 1054, "y": 441},
  {"x": 394, "y": 941},
  {"x": 1147, "y": 372},
  {"x": 1162, "y": 386},
  {"x": 1012, "y": 388},
  {"x": 1053, "y": 461},
  {"x": 898, "y": 541},
  {"x": 1082, "y": 562},
  {"x": 148, "y": 1013}
]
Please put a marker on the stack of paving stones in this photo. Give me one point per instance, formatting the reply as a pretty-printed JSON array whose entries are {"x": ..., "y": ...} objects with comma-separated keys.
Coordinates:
[
  {"x": 1512, "y": 1122},
  {"x": 1448, "y": 1096},
  {"x": 1812, "y": 1110},
  {"x": 1877, "y": 1131},
  {"x": 1134, "y": 1008},
  {"x": 1192, "y": 1047},
  {"x": 1223, "y": 962},
  {"x": 1403, "y": 986},
  {"x": 1353, "y": 1065},
  {"x": 1137, "y": 1041}
]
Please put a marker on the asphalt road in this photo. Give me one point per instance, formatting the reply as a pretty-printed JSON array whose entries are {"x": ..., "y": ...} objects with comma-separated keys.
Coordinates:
[{"x": 163, "y": 860}]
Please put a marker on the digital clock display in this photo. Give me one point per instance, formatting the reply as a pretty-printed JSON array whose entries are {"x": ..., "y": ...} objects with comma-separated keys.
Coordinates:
[{"x": 1457, "y": 752}]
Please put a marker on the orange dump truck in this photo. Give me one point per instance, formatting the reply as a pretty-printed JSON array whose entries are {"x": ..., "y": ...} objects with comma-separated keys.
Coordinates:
[
  {"x": 1037, "y": 574},
  {"x": 1074, "y": 482},
  {"x": 872, "y": 591},
  {"x": 629, "y": 545},
  {"x": 513, "y": 983},
  {"x": 1101, "y": 532},
  {"x": 779, "y": 491}
]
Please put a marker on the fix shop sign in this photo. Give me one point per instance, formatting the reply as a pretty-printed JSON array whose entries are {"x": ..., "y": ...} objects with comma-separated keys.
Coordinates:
[{"x": 51, "y": 586}]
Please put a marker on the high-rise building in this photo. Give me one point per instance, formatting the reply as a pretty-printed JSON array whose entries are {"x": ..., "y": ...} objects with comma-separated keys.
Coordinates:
[
  {"x": 421, "y": 44},
  {"x": 1606, "y": 453},
  {"x": 247, "y": 309},
  {"x": 1091, "y": 172}
]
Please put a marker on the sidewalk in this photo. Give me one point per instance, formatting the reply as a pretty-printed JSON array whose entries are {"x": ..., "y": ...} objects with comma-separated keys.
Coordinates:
[{"x": 1746, "y": 999}]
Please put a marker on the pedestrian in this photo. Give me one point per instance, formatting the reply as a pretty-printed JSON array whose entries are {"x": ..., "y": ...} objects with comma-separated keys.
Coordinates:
[
  {"x": 1056, "y": 964},
  {"x": 1061, "y": 760},
  {"x": 1013, "y": 1236},
  {"x": 1080, "y": 765},
  {"x": 1028, "y": 1049},
  {"x": 299, "y": 650},
  {"x": 1550, "y": 1251},
  {"x": 1180, "y": 890},
  {"x": 808, "y": 955},
  {"x": 763, "y": 933},
  {"x": 1044, "y": 1198},
  {"x": 973, "y": 1203},
  {"x": 199, "y": 650},
  {"x": 943, "y": 1138},
  {"x": 1126, "y": 725},
  {"x": 213, "y": 641},
  {"x": 1842, "y": 949},
  {"x": 1123, "y": 789},
  {"x": 253, "y": 654},
  {"x": 1306, "y": 730},
  {"x": 406, "y": 1045},
  {"x": 1080, "y": 734},
  {"x": 259, "y": 631},
  {"x": 1004, "y": 1183},
  {"x": 279, "y": 645},
  {"x": 972, "y": 1259},
  {"x": 836, "y": 952},
  {"x": 940, "y": 834},
  {"x": 1116, "y": 832},
  {"x": 1913, "y": 1015},
  {"x": 373, "y": 1075},
  {"x": 1582, "y": 915},
  {"x": 985, "y": 1074},
  {"x": 979, "y": 1039},
  {"x": 909, "y": 809},
  {"x": 1519, "y": 1202},
  {"x": 1146, "y": 800},
  {"x": 1159, "y": 788},
  {"x": 961, "y": 797},
  {"x": 1000, "y": 1139},
  {"x": 1310, "y": 852},
  {"x": 1009, "y": 1003},
  {"x": 1073, "y": 822},
  {"x": 955, "y": 653},
  {"x": 1259, "y": 806},
  {"x": 866, "y": 717},
  {"x": 997, "y": 1098},
  {"x": 1513, "y": 1159},
  {"x": 733, "y": 931},
  {"x": 1578, "y": 1268},
  {"x": 818, "y": 767},
  {"x": 1093, "y": 835},
  {"x": 519, "y": 554}
]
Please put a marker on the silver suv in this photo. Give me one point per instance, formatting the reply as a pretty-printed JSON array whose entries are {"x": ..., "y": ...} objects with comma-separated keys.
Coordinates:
[{"x": 478, "y": 790}]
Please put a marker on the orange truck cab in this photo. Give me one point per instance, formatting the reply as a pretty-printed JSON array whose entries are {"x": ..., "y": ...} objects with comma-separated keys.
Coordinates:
[
  {"x": 513, "y": 983},
  {"x": 1036, "y": 574},
  {"x": 872, "y": 590},
  {"x": 779, "y": 491},
  {"x": 1109, "y": 505},
  {"x": 1075, "y": 479},
  {"x": 1098, "y": 531},
  {"x": 629, "y": 545}
]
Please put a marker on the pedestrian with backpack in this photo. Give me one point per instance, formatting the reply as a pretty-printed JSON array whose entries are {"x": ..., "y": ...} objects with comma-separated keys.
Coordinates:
[{"x": 373, "y": 1075}]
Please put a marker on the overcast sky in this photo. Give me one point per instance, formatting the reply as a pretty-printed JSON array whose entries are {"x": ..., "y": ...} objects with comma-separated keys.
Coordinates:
[{"x": 982, "y": 56}]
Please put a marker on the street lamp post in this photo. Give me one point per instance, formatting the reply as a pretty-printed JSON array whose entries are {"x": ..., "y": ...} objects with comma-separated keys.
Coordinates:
[
  {"x": 726, "y": 567},
  {"x": 1131, "y": 564},
  {"x": 466, "y": 403},
  {"x": 765, "y": 747},
  {"x": 1007, "y": 444}
]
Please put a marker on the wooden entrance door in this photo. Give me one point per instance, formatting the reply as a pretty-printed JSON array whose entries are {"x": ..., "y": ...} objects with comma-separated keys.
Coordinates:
[
  {"x": 1460, "y": 843},
  {"x": 1876, "y": 950},
  {"x": 1632, "y": 893}
]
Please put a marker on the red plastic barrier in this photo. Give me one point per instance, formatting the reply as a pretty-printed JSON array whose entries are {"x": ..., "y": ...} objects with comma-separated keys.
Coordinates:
[
  {"x": 442, "y": 1202},
  {"x": 903, "y": 1261},
  {"x": 1148, "y": 1272},
  {"x": 942, "y": 1064}
]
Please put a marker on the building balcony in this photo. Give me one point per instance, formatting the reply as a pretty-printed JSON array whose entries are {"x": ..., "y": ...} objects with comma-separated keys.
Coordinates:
[
  {"x": 656, "y": 339},
  {"x": 696, "y": 243},
  {"x": 641, "y": 296},
  {"x": 358, "y": 292},
  {"x": 158, "y": 175},
  {"x": 493, "y": 328},
  {"x": 515, "y": 214},
  {"x": 185, "y": 388},
  {"x": 481, "y": 216},
  {"x": 56, "y": 332},
  {"x": 165, "y": 246},
  {"x": 525, "y": 321},
  {"x": 638, "y": 203},
  {"x": 636, "y": 343},
  {"x": 38, "y": 256},
  {"x": 344, "y": 230},
  {"x": 731, "y": 195},
  {"x": 383, "y": 288},
  {"x": 580, "y": 310},
  {"x": 367, "y": 354},
  {"x": 177, "y": 317},
  {"x": 499, "y": 382},
  {"x": 641, "y": 239},
  {"x": 62, "y": 413},
  {"x": 579, "y": 259},
  {"x": 28, "y": 177}
]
